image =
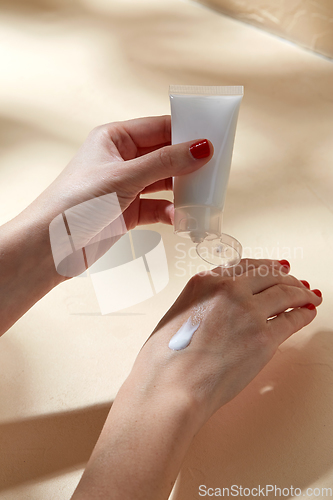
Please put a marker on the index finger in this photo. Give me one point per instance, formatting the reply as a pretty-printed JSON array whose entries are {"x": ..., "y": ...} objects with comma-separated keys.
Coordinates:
[{"x": 149, "y": 132}]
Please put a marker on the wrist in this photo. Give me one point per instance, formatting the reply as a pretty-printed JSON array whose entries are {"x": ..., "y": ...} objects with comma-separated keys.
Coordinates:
[
  {"x": 27, "y": 270},
  {"x": 30, "y": 240},
  {"x": 160, "y": 393}
]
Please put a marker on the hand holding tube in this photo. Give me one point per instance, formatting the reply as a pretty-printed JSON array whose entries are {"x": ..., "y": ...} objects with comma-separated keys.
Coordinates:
[
  {"x": 130, "y": 159},
  {"x": 127, "y": 158},
  {"x": 124, "y": 159}
]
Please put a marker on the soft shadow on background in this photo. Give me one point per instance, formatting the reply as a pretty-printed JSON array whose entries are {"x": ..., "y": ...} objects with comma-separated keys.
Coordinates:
[
  {"x": 35, "y": 448},
  {"x": 38, "y": 6},
  {"x": 278, "y": 431},
  {"x": 285, "y": 92},
  {"x": 18, "y": 133}
]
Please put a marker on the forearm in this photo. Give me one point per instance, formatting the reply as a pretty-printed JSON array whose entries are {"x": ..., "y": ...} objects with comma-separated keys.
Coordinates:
[
  {"x": 141, "y": 447},
  {"x": 27, "y": 270}
]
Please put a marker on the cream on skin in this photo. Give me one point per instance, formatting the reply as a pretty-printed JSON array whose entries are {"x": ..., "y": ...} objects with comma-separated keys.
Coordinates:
[{"x": 183, "y": 336}]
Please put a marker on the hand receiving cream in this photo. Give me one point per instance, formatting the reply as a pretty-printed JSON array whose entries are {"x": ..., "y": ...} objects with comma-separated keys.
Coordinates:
[{"x": 210, "y": 113}]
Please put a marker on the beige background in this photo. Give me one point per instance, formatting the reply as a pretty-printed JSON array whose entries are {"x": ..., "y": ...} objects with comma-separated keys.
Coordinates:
[
  {"x": 68, "y": 66},
  {"x": 306, "y": 22}
]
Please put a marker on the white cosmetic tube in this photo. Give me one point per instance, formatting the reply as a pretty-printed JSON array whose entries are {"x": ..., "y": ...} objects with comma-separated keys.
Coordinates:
[{"x": 206, "y": 113}]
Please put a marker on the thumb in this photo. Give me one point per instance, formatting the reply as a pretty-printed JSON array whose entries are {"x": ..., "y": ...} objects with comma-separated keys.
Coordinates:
[{"x": 169, "y": 161}]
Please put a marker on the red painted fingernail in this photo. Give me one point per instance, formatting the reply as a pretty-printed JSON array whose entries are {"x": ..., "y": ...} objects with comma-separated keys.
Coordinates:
[
  {"x": 317, "y": 292},
  {"x": 284, "y": 263},
  {"x": 305, "y": 283},
  {"x": 200, "y": 149},
  {"x": 310, "y": 306}
]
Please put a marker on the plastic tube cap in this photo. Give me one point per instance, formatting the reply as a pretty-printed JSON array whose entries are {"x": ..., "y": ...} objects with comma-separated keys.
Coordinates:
[
  {"x": 225, "y": 251},
  {"x": 198, "y": 222},
  {"x": 203, "y": 225}
]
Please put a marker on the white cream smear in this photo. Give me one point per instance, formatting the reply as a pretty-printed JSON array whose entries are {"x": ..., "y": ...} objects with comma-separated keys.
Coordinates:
[{"x": 182, "y": 338}]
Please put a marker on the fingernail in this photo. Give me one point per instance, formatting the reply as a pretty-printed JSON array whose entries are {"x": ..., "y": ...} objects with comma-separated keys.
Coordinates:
[
  {"x": 310, "y": 306},
  {"x": 284, "y": 263},
  {"x": 200, "y": 149},
  {"x": 317, "y": 292},
  {"x": 305, "y": 283}
]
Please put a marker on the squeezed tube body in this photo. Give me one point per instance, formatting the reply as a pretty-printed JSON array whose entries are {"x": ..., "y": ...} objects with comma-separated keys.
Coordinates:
[{"x": 204, "y": 113}]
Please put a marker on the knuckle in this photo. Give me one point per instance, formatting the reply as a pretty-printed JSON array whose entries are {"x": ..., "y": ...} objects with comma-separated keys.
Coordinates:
[
  {"x": 98, "y": 130},
  {"x": 253, "y": 314},
  {"x": 198, "y": 280},
  {"x": 99, "y": 133},
  {"x": 293, "y": 321},
  {"x": 232, "y": 287},
  {"x": 250, "y": 315},
  {"x": 264, "y": 338},
  {"x": 192, "y": 282},
  {"x": 166, "y": 159},
  {"x": 286, "y": 289},
  {"x": 225, "y": 286},
  {"x": 93, "y": 133},
  {"x": 202, "y": 284},
  {"x": 167, "y": 128},
  {"x": 266, "y": 343},
  {"x": 263, "y": 270},
  {"x": 156, "y": 215}
]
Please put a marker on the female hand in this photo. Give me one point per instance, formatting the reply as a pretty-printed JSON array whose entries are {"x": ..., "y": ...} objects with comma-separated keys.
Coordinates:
[
  {"x": 94, "y": 201},
  {"x": 243, "y": 315},
  {"x": 128, "y": 158}
]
